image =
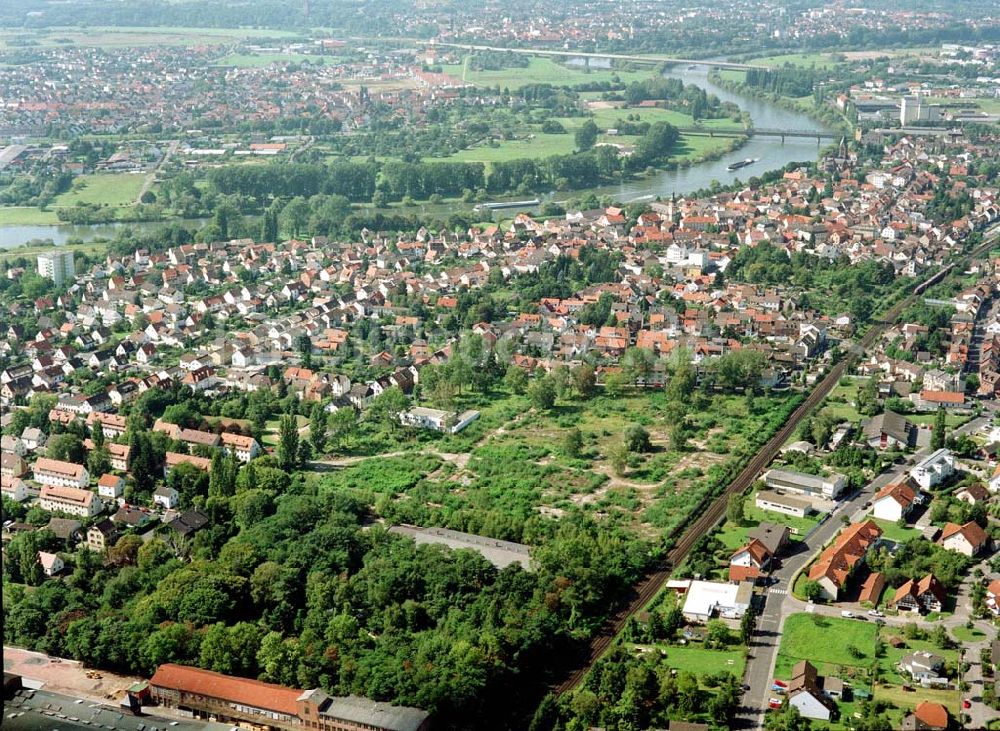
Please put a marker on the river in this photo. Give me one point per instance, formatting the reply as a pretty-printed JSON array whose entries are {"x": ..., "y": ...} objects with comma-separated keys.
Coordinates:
[{"x": 771, "y": 152}]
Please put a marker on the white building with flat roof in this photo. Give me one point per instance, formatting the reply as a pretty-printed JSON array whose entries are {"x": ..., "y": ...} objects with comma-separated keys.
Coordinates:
[
  {"x": 934, "y": 469},
  {"x": 706, "y": 599}
]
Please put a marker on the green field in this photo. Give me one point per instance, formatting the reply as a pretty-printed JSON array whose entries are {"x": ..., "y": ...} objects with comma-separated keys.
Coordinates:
[
  {"x": 819, "y": 60},
  {"x": 808, "y": 637},
  {"x": 106, "y": 190},
  {"x": 540, "y": 145},
  {"x": 700, "y": 661},
  {"x": 257, "y": 60},
  {"x": 543, "y": 71},
  {"x": 25, "y": 216}
]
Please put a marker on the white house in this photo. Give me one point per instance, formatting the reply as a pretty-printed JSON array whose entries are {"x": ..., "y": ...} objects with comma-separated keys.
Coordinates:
[
  {"x": 893, "y": 501},
  {"x": 426, "y": 418},
  {"x": 56, "y": 473},
  {"x": 804, "y": 693},
  {"x": 51, "y": 563},
  {"x": 33, "y": 438},
  {"x": 13, "y": 488},
  {"x": 110, "y": 487},
  {"x": 70, "y": 500},
  {"x": 245, "y": 448},
  {"x": 968, "y": 539},
  {"x": 924, "y": 667},
  {"x": 934, "y": 469},
  {"x": 166, "y": 497}
]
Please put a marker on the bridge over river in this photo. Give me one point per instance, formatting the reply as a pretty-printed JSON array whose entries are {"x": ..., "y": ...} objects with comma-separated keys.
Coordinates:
[
  {"x": 614, "y": 56},
  {"x": 818, "y": 135}
]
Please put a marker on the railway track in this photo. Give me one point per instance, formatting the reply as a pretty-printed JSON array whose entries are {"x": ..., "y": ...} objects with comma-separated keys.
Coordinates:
[{"x": 653, "y": 582}]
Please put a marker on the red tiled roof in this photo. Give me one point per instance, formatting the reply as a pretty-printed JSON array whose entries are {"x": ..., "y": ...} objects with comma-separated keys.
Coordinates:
[
  {"x": 932, "y": 714},
  {"x": 237, "y": 690}
]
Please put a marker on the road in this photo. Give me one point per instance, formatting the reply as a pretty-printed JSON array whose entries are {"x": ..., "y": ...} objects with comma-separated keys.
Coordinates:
[
  {"x": 151, "y": 176},
  {"x": 779, "y": 602}
]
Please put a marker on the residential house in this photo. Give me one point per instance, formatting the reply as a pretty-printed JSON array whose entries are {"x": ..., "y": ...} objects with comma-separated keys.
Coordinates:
[
  {"x": 245, "y": 448},
  {"x": 11, "y": 444},
  {"x": 56, "y": 473},
  {"x": 924, "y": 667},
  {"x": 806, "y": 694},
  {"x": 51, "y": 563},
  {"x": 101, "y": 535},
  {"x": 110, "y": 487},
  {"x": 749, "y": 562},
  {"x": 968, "y": 539},
  {"x": 894, "y": 501},
  {"x": 70, "y": 500},
  {"x": 166, "y": 497},
  {"x": 12, "y": 466},
  {"x": 14, "y": 488},
  {"x": 973, "y": 494},
  {"x": 926, "y": 595},
  {"x": 926, "y": 716},
  {"x": 33, "y": 438},
  {"x": 841, "y": 558},
  {"x": 889, "y": 430}
]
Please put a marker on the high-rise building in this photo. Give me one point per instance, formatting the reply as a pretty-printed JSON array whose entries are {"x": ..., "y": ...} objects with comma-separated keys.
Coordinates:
[{"x": 56, "y": 265}]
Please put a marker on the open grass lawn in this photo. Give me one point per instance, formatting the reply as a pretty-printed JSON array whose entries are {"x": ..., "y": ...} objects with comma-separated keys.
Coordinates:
[
  {"x": 965, "y": 634},
  {"x": 951, "y": 420},
  {"x": 26, "y": 216},
  {"x": 840, "y": 401},
  {"x": 538, "y": 146},
  {"x": 700, "y": 661},
  {"x": 810, "y": 637},
  {"x": 270, "y": 437},
  {"x": 893, "y": 532},
  {"x": 256, "y": 60},
  {"x": 544, "y": 71},
  {"x": 107, "y": 190}
]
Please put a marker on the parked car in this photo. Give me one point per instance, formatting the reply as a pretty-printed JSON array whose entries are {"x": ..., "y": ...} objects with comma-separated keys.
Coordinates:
[
  {"x": 875, "y": 613},
  {"x": 774, "y": 703},
  {"x": 966, "y": 703},
  {"x": 847, "y": 614}
]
